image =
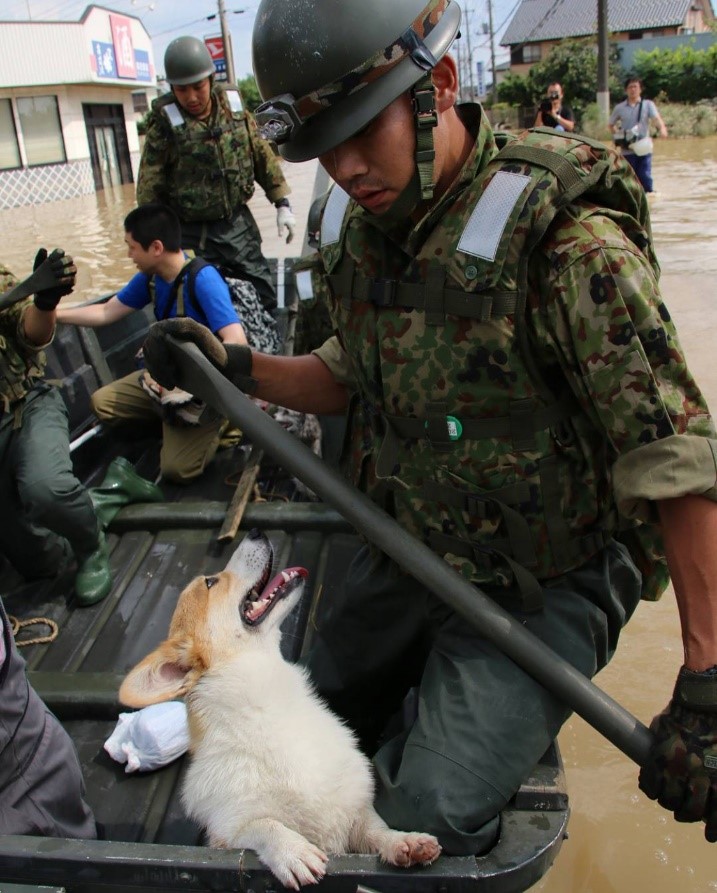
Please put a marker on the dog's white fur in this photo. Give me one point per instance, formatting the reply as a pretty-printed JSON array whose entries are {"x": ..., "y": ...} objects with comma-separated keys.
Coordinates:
[{"x": 272, "y": 769}]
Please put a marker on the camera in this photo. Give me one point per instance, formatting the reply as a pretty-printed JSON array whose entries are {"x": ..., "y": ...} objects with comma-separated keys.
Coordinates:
[
  {"x": 625, "y": 138},
  {"x": 546, "y": 105},
  {"x": 554, "y": 95}
]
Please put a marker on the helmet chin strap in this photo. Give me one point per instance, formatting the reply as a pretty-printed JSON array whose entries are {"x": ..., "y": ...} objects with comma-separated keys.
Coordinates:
[{"x": 421, "y": 185}]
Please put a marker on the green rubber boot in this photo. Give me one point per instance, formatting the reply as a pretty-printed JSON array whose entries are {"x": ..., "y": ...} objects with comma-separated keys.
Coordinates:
[
  {"x": 94, "y": 579},
  {"x": 121, "y": 486}
]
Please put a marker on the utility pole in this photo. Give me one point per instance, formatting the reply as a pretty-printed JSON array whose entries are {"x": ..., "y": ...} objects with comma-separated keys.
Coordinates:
[
  {"x": 470, "y": 57},
  {"x": 492, "y": 50},
  {"x": 603, "y": 78},
  {"x": 226, "y": 39}
]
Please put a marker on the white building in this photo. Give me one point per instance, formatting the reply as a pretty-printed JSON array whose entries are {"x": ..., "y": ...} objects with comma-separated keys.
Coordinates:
[{"x": 70, "y": 97}]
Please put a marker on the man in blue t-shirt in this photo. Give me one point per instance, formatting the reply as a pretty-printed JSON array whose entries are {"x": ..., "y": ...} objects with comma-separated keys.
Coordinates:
[{"x": 153, "y": 237}]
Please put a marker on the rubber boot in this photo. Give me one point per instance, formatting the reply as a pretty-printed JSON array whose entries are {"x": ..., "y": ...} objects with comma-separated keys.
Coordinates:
[
  {"x": 121, "y": 486},
  {"x": 94, "y": 579}
]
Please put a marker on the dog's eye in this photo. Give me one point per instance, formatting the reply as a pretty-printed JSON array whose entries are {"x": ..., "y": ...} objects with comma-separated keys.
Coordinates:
[{"x": 210, "y": 581}]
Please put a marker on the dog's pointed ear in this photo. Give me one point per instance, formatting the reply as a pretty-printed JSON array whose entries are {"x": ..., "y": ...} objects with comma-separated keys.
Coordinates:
[{"x": 164, "y": 675}]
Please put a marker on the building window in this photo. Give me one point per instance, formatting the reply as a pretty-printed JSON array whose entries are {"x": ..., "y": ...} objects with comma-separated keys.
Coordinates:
[
  {"x": 41, "y": 129},
  {"x": 531, "y": 52},
  {"x": 139, "y": 102},
  {"x": 9, "y": 149}
]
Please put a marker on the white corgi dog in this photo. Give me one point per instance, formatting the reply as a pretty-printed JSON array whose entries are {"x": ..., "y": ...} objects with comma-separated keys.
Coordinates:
[{"x": 272, "y": 769}]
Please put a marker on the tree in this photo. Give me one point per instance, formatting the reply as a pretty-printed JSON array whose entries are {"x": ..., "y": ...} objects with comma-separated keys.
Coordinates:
[
  {"x": 249, "y": 92},
  {"x": 573, "y": 64}
]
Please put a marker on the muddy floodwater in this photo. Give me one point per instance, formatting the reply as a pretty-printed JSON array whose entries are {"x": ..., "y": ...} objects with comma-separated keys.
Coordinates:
[{"x": 619, "y": 842}]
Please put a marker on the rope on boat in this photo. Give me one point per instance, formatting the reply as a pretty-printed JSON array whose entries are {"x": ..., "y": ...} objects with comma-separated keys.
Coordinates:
[{"x": 17, "y": 625}]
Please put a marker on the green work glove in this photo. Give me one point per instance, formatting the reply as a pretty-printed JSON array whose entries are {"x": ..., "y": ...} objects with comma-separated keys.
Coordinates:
[
  {"x": 61, "y": 269},
  {"x": 681, "y": 771},
  {"x": 232, "y": 360}
]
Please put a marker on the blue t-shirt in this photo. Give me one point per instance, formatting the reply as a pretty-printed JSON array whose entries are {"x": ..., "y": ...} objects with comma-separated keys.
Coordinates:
[{"x": 211, "y": 293}]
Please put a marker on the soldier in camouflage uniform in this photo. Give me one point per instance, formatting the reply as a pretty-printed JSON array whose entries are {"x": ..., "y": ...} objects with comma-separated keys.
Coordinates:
[
  {"x": 201, "y": 156},
  {"x": 517, "y": 396},
  {"x": 46, "y": 510}
]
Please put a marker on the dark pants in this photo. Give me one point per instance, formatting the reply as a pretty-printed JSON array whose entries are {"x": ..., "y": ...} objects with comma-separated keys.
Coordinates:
[
  {"x": 41, "y": 785},
  {"x": 642, "y": 165},
  {"x": 44, "y": 505},
  {"x": 482, "y": 722},
  {"x": 234, "y": 246}
]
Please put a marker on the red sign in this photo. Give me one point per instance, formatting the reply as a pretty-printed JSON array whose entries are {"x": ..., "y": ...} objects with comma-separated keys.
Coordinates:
[
  {"x": 124, "y": 50},
  {"x": 215, "y": 45}
]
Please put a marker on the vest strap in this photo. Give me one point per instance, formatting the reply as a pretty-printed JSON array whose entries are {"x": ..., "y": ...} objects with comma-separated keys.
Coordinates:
[
  {"x": 479, "y": 502},
  {"x": 524, "y": 419},
  {"x": 563, "y": 169},
  {"x": 485, "y": 554},
  {"x": 413, "y": 296}
]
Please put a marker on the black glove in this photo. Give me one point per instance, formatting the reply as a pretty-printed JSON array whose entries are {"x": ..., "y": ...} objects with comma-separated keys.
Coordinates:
[
  {"x": 58, "y": 271},
  {"x": 232, "y": 360},
  {"x": 681, "y": 771}
]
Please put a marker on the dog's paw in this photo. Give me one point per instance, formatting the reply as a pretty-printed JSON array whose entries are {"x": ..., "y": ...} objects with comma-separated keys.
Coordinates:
[
  {"x": 303, "y": 864},
  {"x": 410, "y": 848}
]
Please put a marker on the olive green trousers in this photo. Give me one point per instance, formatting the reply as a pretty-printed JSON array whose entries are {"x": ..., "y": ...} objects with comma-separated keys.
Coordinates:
[
  {"x": 482, "y": 723},
  {"x": 44, "y": 506},
  {"x": 186, "y": 450}
]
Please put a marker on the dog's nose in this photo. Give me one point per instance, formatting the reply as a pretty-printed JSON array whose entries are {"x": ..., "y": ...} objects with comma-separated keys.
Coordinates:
[{"x": 254, "y": 534}]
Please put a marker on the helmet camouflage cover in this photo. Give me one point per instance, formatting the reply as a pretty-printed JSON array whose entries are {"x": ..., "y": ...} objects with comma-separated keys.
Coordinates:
[{"x": 325, "y": 68}]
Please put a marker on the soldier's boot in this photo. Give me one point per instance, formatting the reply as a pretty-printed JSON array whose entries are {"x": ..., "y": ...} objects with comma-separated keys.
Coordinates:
[
  {"x": 121, "y": 486},
  {"x": 94, "y": 579}
]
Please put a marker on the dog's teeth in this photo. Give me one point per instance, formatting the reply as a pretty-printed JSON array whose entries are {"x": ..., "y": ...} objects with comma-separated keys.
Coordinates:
[{"x": 285, "y": 577}]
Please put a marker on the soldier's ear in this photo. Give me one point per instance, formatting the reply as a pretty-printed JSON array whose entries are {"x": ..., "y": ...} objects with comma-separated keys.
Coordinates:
[
  {"x": 445, "y": 80},
  {"x": 157, "y": 247}
]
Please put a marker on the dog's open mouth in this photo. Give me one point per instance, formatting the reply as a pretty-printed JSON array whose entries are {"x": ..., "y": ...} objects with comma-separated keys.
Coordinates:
[{"x": 262, "y": 598}]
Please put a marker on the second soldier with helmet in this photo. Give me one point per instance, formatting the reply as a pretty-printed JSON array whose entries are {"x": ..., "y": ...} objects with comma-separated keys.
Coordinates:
[{"x": 202, "y": 156}]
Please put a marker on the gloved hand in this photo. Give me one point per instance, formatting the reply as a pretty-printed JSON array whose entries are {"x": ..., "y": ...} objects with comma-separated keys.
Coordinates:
[
  {"x": 58, "y": 267},
  {"x": 681, "y": 772},
  {"x": 285, "y": 218},
  {"x": 232, "y": 360}
]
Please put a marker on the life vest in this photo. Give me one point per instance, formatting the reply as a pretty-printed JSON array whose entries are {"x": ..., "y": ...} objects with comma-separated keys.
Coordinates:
[
  {"x": 213, "y": 172},
  {"x": 458, "y": 428}
]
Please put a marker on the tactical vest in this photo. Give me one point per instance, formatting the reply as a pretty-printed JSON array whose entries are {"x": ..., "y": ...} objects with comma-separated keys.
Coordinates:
[
  {"x": 213, "y": 173},
  {"x": 460, "y": 430},
  {"x": 18, "y": 373}
]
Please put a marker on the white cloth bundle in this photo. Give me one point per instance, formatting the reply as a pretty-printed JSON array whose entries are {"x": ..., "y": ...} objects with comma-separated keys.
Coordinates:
[{"x": 151, "y": 737}]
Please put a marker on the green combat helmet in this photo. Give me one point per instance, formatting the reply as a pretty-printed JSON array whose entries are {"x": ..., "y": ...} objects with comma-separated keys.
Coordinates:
[
  {"x": 324, "y": 75},
  {"x": 186, "y": 61}
]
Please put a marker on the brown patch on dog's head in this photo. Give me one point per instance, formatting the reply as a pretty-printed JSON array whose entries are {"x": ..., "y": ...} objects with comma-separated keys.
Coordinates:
[{"x": 203, "y": 628}]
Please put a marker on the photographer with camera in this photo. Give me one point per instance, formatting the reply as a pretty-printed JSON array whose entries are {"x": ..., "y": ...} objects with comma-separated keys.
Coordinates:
[
  {"x": 630, "y": 124},
  {"x": 553, "y": 113}
]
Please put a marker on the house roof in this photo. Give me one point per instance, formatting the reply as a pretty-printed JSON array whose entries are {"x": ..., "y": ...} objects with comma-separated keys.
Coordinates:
[{"x": 538, "y": 20}]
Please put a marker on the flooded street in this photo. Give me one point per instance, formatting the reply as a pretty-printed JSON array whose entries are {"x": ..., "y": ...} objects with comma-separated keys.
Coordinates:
[{"x": 619, "y": 842}]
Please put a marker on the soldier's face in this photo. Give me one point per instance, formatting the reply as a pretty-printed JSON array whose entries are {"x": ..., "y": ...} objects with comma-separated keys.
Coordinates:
[
  {"x": 375, "y": 165},
  {"x": 195, "y": 99}
]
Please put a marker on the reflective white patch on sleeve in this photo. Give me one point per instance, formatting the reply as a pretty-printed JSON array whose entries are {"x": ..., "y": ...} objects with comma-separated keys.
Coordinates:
[
  {"x": 303, "y": 285},
  {"x": 333, "y": 217},
  {"x": 485, "y": 226},
  {"x": 174, "y": 115},
  {"x": 234, "y": 100}
]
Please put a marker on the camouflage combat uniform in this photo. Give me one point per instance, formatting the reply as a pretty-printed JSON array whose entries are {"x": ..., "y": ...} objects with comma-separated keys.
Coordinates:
[
  {"x": 205, "y": 171},
  {"x": 38, "y": 489},
  {"x": 516, "y": 417}
]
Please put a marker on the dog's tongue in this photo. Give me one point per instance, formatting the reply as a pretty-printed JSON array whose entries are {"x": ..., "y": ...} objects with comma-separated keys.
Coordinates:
[{"x": 281, "y": 579}]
